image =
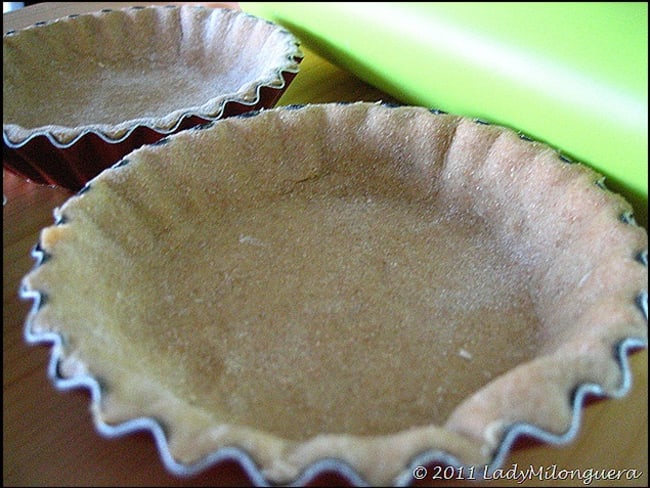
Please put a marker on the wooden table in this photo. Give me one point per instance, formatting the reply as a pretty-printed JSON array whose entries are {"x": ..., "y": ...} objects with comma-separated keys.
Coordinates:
[{"x": 49, "y": 437}]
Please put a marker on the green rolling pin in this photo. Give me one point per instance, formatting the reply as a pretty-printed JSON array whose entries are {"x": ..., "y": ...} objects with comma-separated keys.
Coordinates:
[{"x": 573, "y": 75}]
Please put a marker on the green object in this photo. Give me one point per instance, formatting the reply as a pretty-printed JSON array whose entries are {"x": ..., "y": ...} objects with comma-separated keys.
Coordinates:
[{"x": 573, "y": 75}]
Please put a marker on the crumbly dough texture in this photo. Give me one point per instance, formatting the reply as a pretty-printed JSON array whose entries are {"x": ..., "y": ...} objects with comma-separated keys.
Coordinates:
[
  {"x": 109, "y": 72},
  {"x": 353, "y": 281}
]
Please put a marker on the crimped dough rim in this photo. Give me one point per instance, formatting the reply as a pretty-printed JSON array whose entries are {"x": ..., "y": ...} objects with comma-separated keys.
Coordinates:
[
  {"x": 540, "y": 397},
  {"x": 268, "y": 56}
]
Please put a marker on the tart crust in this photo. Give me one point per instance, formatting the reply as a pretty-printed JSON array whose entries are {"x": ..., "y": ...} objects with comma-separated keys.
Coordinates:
[
  {"x": 81, "y": 92},
  {"x": 371, "y": 284},
  {"x": 138, "y": 66}
]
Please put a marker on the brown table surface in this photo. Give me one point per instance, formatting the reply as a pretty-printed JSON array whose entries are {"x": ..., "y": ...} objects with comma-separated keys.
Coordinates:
[{"x": 49, "y": 437}]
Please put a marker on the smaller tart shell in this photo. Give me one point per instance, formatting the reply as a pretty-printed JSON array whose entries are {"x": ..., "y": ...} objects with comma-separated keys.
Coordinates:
[{"x": 81, "y": 92}]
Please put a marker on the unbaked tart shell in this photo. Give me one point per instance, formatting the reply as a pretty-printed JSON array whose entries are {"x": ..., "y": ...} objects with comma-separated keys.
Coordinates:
[
  {"x": 358, "y": 287},
  {"x": 81, "y": 92}
]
